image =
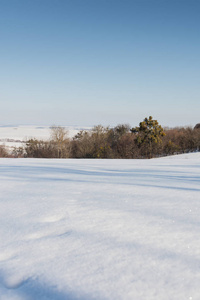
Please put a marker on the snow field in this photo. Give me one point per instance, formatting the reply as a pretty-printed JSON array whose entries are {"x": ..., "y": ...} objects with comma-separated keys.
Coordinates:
[
  {"x": 16, "y": 136},
  {"x": 100, "y": 229}
]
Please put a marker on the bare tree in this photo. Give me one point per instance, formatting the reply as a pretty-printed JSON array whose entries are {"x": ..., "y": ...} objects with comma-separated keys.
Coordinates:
[{"x": 59, "y": 135}]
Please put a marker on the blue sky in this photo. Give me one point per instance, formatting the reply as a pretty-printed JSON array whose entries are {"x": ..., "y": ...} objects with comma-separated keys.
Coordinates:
[{"x": 89, "y": 62}]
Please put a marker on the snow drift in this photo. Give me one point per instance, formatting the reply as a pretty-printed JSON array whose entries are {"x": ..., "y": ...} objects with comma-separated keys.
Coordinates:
[{"x": 100, "y": 229}]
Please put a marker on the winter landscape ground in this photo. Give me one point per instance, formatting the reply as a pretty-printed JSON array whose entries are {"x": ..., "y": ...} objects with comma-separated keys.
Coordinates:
[{"x": 100, "y": 229}]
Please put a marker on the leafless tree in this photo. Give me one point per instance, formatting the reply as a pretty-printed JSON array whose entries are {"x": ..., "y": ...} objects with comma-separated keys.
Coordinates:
[{"x": 59, "y": 136}]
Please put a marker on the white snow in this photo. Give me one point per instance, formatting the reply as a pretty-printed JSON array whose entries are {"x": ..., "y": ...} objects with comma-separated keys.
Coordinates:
[{"x": 100, "y": 229}]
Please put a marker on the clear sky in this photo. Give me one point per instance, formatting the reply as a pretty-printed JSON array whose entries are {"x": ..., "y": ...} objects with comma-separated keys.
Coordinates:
[{"x": 89, "y": 62}]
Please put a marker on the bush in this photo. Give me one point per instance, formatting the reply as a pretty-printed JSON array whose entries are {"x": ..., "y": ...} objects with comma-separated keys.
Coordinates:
[{"x": 3, "y": 151}]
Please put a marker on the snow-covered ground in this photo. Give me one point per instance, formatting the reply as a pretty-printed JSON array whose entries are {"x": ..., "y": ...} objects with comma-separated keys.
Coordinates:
[
  {"x": 16, "y": 136},
  {"x": 100, "y": 229}
]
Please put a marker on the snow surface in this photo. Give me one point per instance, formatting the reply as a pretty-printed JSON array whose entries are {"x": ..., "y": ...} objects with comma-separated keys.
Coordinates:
[{"x": 100, "y": 229}]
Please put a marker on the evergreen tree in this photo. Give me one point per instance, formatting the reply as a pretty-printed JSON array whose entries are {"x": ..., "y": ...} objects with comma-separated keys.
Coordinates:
[{"x": 148, "y": 134}]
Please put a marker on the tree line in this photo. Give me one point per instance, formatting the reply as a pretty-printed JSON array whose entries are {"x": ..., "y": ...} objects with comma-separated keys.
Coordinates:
[{"x": 147, "y": 140}]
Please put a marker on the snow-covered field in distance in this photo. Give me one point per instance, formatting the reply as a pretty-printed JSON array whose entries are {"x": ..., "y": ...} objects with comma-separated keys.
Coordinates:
[
  {"x": 15, "y": 136},
  {"x": 100, "y": 229}
]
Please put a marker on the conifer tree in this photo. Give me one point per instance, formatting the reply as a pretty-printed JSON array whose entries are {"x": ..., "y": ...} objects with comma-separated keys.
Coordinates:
[{"x": 148, "y": 134}]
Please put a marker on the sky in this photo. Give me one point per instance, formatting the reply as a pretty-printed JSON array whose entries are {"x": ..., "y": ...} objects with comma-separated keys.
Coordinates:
[{"x": 90, "y": 62}]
